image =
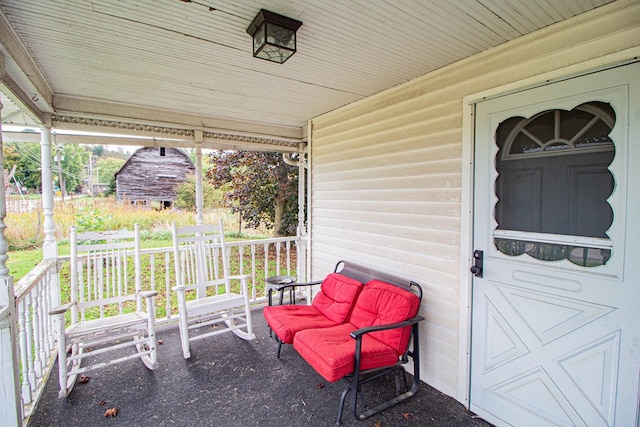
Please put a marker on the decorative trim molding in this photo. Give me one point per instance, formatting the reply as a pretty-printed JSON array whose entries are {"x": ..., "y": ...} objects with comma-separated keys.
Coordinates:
[
  {"x": 137, "y": 127},
  {"x": 250, "y": 139},
  {"x": 121, "y": 126}
]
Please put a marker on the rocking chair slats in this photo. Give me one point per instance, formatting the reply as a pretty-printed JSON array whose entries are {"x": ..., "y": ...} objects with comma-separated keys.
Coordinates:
[
  {"x": 106, "y": 312},
  {"x": 203, "y": 286}
]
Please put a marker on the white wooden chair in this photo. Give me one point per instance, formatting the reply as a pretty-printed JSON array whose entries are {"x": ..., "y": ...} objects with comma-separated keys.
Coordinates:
[
  {"x": 206, "y": 297},
  {"x": 105, "y": 308}
]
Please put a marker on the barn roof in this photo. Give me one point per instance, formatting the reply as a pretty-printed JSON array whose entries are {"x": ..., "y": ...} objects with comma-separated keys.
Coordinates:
[{"x": 138, "y": 151}]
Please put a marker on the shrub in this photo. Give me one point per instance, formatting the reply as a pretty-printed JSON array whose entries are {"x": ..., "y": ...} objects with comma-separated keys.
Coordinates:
[{"x": 186, "y": 195}]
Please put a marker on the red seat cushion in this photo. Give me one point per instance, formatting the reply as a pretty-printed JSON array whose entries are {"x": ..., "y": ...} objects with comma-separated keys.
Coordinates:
[
  {"x": 336, "y": 297},
  {"x": 331, "y": 351},
  {"x": 330, "y": 307},
  {"x": 380, "y": 303},
  {"x": 286, "y": 320}
]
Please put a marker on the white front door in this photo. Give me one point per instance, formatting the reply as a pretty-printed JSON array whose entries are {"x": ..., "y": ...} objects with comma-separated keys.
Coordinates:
[{"x": 556, "y": 304}]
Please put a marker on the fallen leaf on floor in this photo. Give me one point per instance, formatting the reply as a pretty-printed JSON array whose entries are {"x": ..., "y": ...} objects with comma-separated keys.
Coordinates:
[
  {"x": 406, "y": 415},
  {"x": 102, "y": 403},
  {"x": 320, "y": 386},
  {"x": 83, "y": 379},
  {"x": 111, "y": 413}
]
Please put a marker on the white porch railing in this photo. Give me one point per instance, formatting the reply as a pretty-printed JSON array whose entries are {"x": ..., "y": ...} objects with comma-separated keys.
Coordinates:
[
  {"x": 258, "y": 258},
  {"x": 35, "y": 294},
  {"x": 38, "y": 292}
]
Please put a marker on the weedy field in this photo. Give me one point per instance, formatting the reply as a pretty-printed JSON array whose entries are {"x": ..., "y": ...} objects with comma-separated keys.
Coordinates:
[{"x": 25, "y": 229}]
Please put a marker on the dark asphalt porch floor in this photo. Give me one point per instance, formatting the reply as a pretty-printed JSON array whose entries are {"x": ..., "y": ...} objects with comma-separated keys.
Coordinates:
[{"x": 230, "y": 382}]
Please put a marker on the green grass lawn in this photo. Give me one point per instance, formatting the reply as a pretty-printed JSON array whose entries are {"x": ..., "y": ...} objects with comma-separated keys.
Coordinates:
[{"x": 21, "y": 262}]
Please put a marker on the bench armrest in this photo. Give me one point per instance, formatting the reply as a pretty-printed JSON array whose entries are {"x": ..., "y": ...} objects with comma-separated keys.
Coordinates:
[
  {"x": 291, "y": 287},
  {"x": 295, "y": 285},
  {"x": 358, "y": 333},
  {"x": 61, "y": 309}
]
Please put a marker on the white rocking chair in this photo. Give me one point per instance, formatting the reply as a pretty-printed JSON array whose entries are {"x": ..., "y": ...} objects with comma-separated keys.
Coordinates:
[
  {"x": 205, "y": 295},
  {"x": 105, "y": 308}
]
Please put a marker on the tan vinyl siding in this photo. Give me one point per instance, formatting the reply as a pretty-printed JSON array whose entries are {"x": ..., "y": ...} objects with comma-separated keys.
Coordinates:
[{"x": 386, "y": 172}]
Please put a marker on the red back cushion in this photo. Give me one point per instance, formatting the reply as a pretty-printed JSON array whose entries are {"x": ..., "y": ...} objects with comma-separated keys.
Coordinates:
[
  {"x": 381, "y": 303},
  {"x": 336, "y": 297}
]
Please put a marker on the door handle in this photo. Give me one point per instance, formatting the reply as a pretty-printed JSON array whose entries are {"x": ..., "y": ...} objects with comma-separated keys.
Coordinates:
[{"x": 476, "y": 269}]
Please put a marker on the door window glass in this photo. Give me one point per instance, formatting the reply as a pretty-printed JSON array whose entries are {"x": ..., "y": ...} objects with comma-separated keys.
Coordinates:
[{"x": 553, "y": 184}]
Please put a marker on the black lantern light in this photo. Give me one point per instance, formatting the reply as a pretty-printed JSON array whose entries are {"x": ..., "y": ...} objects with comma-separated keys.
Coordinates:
[{"x": 274, "y": 36}]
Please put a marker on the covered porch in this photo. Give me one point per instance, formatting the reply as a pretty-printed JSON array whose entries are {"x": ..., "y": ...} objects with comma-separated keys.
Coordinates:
[
  {"x": 230, "y": 382},
  {"x": 376, "y": 109}
]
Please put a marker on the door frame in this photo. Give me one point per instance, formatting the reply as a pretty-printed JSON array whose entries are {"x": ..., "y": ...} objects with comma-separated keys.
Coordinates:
[{"x": 467, "y": 186}]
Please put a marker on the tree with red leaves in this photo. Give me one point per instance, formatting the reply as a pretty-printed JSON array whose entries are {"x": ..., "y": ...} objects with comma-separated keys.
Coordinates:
[{"x": 261, "y": 188}]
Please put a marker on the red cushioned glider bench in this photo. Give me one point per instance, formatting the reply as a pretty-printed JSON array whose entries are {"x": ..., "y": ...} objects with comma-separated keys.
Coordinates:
[{"x": 363, "y": 324}]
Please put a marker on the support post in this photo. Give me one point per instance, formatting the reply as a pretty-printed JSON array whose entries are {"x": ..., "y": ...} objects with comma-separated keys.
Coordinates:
[
  {"x": 11, "y": 407},
  {"x": 50, "y": 246},
  {"x": 198, "y": 138},
  {"x": 301, "y": 229}
]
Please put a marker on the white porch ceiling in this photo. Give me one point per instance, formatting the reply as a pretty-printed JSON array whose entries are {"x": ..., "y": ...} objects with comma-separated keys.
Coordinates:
[{"x": 188, "y": 64}]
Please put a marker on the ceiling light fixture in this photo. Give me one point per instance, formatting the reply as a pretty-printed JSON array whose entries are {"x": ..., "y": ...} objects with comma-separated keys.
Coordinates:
[{"x": 274, "y": 36}]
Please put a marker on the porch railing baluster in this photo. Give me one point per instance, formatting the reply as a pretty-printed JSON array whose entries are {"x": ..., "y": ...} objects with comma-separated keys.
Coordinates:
[
  {"x": 28, "y": 374},
  {"x": 48, "y": 294},
  {"x": 152, "y": 271},
  {"x": 288, "y": 249},
  {"x": 167, "y": 276},
  {"x": 266, "y": 261},
  {"x": 253, "y": 272},
  {"x": 35, "y": 339}
]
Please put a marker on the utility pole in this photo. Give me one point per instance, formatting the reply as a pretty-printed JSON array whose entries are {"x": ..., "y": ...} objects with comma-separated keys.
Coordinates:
[
  {"x": 60, "y": 181},
  {"x": 98, "y": 179},
  {"x": 91, "y": 174}
]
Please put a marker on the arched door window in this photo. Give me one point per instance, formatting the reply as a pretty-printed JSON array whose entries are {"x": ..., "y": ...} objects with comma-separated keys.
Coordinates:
[{"x": 553, "y": 184}]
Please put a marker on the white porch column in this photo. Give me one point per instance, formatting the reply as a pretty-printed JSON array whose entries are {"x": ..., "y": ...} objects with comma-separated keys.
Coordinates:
[
  {"x": 301, "y": 229},
  {"x": 198, "y": 138},
  {"x": 10, "y": 407},
  {"x": 50, "y": 246}
]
